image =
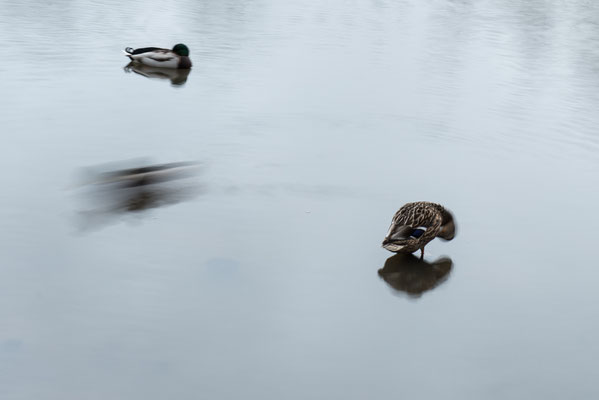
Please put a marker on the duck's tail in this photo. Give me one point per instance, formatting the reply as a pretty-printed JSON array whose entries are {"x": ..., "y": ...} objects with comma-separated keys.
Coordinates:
[{"x": 128, "y": 52}]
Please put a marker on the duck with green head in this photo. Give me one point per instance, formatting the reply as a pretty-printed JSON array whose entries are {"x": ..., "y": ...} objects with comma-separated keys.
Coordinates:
[{"x": 177, "y": 58}]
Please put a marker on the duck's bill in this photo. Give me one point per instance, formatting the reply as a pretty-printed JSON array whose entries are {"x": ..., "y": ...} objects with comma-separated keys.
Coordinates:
[{"x": 395, "y": 247}]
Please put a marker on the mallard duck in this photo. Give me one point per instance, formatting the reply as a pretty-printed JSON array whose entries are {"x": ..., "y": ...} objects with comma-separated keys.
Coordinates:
[
  {"x": 177, "y": 58},
  {"x": 416, "y": 224}
]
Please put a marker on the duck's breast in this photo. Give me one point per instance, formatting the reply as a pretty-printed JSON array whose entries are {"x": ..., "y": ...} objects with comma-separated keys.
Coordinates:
[{"x": 184, "y": 63}]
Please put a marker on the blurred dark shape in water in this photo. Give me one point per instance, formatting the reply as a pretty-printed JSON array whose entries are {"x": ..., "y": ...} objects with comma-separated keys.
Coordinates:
[
  {"x": 409, "y": 274},
  {"x": 178, "y": 77},
  {"x": 113, "y": 193}
]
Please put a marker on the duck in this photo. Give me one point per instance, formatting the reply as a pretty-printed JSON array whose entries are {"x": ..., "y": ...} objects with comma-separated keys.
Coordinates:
[
  {"x": 415, "y": 224},
  {"x": 177, "y": 58}
]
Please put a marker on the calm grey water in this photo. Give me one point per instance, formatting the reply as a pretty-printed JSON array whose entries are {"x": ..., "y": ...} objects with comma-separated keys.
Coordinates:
[{"x": 312, "y": 123}]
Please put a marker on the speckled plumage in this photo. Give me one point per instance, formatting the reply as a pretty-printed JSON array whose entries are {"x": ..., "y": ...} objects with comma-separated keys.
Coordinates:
[{"x": 416, "y": 224}]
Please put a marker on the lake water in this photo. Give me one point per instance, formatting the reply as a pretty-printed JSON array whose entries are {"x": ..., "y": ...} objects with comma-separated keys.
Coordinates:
[{"x": 311, "y": 123}]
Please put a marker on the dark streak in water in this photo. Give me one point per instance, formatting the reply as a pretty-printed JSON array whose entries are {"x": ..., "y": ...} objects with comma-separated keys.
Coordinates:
[{"x": 113, "y": 194}]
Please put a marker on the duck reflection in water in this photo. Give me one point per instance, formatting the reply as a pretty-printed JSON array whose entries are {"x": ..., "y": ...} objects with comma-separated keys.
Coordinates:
[
  {"x": 410, "y": 275},
  {"x": 178, "y": 77},
  {"x": 117, "y": 193}
]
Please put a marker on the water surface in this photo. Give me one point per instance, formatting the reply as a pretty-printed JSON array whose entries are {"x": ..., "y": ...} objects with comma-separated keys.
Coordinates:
[{"x": 312, "y": 124}]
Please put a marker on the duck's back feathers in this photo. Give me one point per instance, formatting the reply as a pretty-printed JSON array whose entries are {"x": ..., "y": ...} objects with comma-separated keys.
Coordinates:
[
  {"x": 142, "y": 50},
  {"x": 416, "y": 224}
]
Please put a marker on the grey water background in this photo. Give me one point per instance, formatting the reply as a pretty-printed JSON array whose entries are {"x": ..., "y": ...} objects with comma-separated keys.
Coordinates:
[{"x": 313, "y": 123}]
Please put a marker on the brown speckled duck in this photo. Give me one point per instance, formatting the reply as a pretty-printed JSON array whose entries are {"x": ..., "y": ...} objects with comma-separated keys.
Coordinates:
[{"x": 416, "y": 224}]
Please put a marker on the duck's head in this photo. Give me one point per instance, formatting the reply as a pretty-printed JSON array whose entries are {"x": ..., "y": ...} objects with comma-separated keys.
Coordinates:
[
  {"x": 447, "y": 230},
  {"x": 181, "y": 49}
]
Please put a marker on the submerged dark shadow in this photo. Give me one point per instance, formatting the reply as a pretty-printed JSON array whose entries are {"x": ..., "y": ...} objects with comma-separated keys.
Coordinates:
[
  {"x": 111, "y": 195},
  {"x": 178, "y": 77},
  {"x": 409, "y": 275}
]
